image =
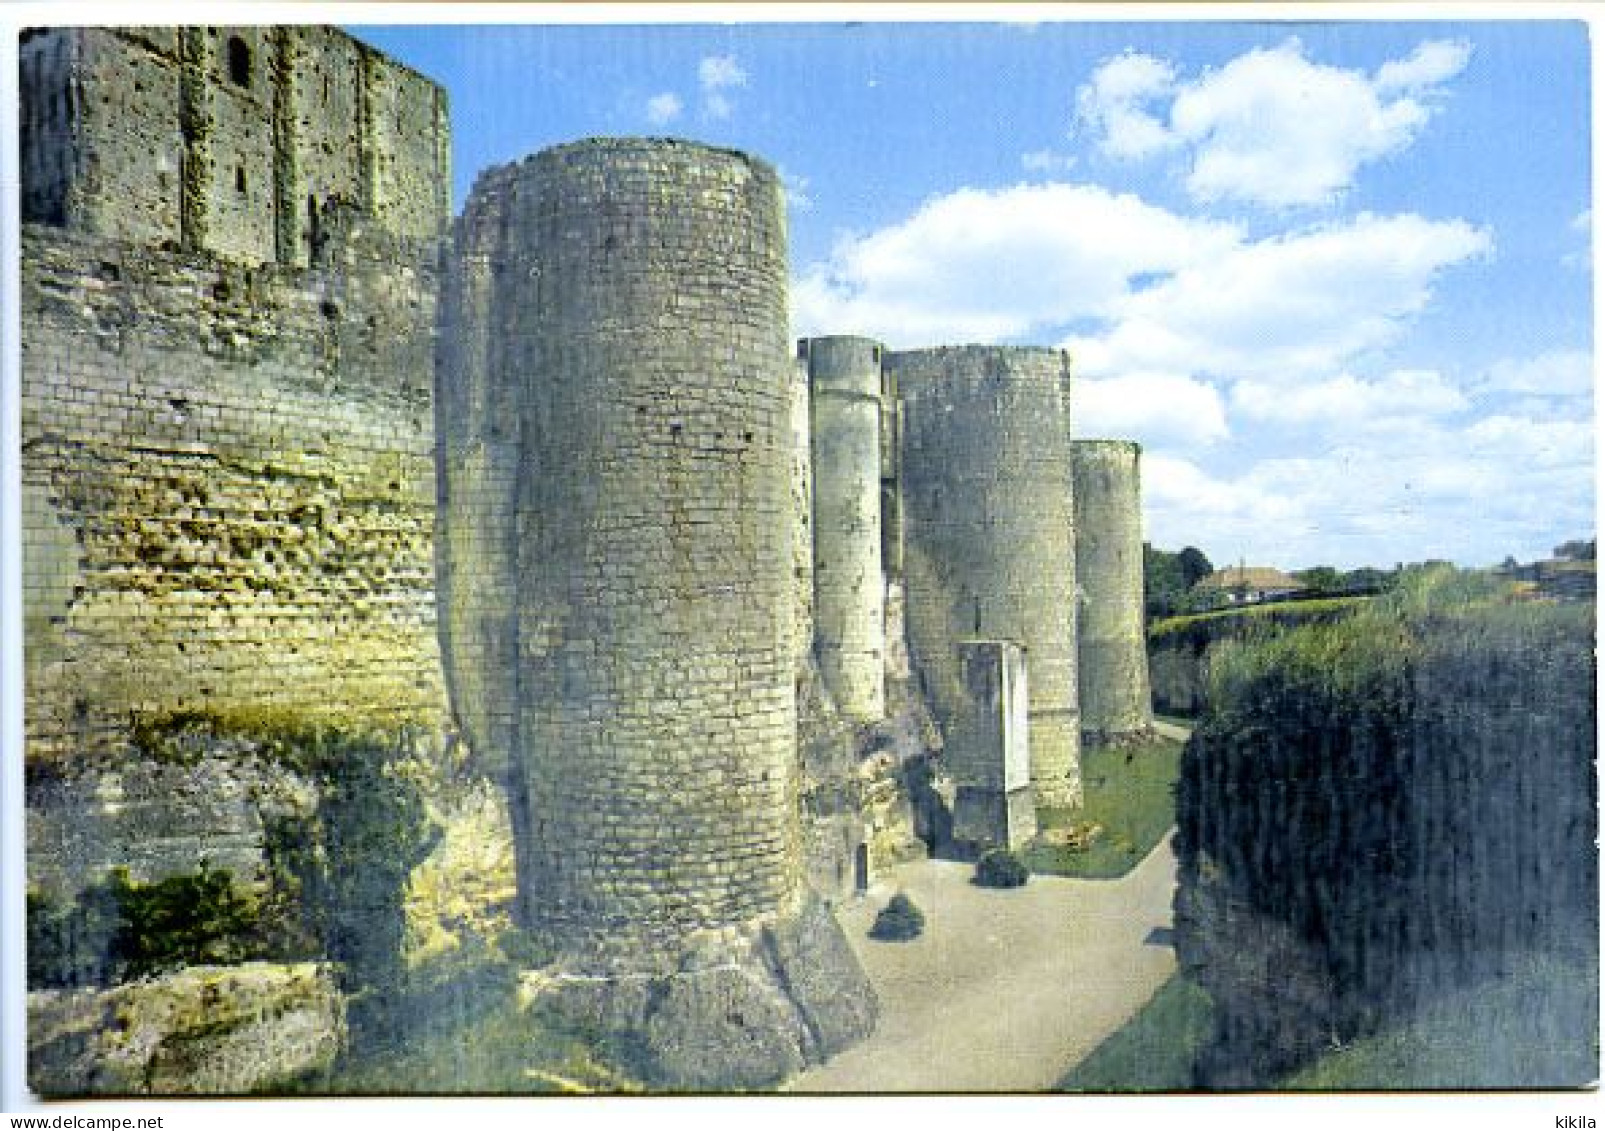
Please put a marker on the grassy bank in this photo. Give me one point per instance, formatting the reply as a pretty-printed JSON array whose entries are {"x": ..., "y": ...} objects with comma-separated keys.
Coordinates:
[
  {"x": 1280, "y": 613},
  {"x": 1532, "y": 1027},
  {"x": 1153, "y": 1052},
  {"x": 1130, "y": 791}
]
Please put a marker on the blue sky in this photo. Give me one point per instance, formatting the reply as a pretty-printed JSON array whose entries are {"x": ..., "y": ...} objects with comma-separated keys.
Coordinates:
[{"x": 1335, "y": 276}]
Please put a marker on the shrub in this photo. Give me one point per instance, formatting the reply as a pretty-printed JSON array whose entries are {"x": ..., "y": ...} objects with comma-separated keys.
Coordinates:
[
  {"x": 898, "y": 921},
  {"x": 119, "y": 929},
  {"x": 1000, "y": 868}
]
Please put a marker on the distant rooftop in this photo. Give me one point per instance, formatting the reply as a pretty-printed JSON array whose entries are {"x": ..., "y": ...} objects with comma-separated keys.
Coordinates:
[{"x": 1250, "y": 577}]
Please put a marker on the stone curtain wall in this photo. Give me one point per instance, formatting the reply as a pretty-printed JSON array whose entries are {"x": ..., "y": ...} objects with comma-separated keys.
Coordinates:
[
  {"x": 990, "y": 532},
  {"x": 1112, "y": 658},
  {"x": 634, "y": 328},
  {"x": 228, "y": 491}
]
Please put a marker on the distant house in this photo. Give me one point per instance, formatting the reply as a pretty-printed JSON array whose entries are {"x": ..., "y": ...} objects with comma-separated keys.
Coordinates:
[{"x": 1246, "y": 585}]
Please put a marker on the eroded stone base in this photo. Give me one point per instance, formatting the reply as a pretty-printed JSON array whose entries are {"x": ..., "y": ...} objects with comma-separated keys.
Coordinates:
[
  {"x": 729, "y": 1011},
  {"x": 206, "y": 1030}
]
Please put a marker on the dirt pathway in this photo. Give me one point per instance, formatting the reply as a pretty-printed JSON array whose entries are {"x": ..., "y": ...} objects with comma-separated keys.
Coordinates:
[{"x": 1006, "y": 990}]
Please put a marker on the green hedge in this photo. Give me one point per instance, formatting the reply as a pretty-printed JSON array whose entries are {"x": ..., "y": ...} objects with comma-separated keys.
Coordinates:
[
  {"x": 1202, "y": 629},
  {"x": 1383, "y": 808}
]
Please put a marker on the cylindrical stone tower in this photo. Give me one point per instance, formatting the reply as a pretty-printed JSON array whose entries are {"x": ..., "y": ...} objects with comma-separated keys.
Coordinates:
[
  {"x": 989, "y": 532},
  {"x": 1112, "y": 653},
  {"x": 849, "y": 590},
  {"x": 625, "y": 304}
]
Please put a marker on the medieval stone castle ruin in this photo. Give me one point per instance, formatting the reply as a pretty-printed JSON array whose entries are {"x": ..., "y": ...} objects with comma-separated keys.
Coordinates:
[{"x": 733, "y": 625}]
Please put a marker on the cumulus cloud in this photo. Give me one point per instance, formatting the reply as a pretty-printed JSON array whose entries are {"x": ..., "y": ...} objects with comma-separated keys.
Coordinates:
[
  {"x": 1115, "y": 106},
  {"x": 990, "y": 265},
  {"x": 718, "y": 75},
  {"x": 1286, "y": 307},
  {"x": 1470, "y": 490},
  {"x": 1557, "y": 373},
  {"x": 661, "y": 109},
  {"x": 1155, "y": 408},
  {"x": 1271, "y": 127},
  {"x": 1428, "y": 66},
  {"x": 1401, "y": 397}
]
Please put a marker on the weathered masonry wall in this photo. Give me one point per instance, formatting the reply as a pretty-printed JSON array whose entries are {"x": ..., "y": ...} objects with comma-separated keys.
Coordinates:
[
  {"x": 988, "y": 749},
  {"x": 849, "y": 587},
  {"x": 990, "y": 532},
  {"x": 1112, "y": 649},
  {"x": 228, "y": 491},
  {"x": 227, "y": 454},
  {"x": 251, "y": 143},
  {"x": 635, "y": 327}
]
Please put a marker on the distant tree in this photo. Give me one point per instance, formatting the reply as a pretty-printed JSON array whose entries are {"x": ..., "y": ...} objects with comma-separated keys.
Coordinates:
[
  {"x": 1194, "y": 566},
  {"x": 1161, "y": 581},
  {"x": 1169, "y": 577},
  {"x": 1577, "y": 550},
  {"x": 1321, "y": 579},
  {"x": 1369, "y": 579}
]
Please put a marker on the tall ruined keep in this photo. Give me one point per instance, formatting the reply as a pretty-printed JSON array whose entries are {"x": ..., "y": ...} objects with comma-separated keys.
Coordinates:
[
  {"x": 989, "y": 522},
  {"x": 1112, "y": 652},
  {"x": 228, "y": 284},
  {"x": 849, "y": 583},
  {"x": 632, "y": 341}
]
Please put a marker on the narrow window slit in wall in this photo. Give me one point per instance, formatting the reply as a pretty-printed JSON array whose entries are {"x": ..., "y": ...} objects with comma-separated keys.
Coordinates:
[{"x": 239, "y": 62}]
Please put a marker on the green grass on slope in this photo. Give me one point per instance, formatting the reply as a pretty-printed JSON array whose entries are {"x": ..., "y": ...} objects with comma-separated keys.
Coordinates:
[
  {"x": 1154, "y": 1051},
  {"x": 1536, "y": 1027},
  {"x": 1131, "y": 792},
  {"x": 1288, "y": 611}
]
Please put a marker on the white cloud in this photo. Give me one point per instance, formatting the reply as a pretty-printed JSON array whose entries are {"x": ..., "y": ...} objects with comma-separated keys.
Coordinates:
[
  {"x": 1558, "y": 373},
  {"x": 1286, "y": 308},
  {"x": 1429, "y": 65},
  {"x": 664, "y": 108},
  {"x": 1155, "y": 408},
  {"x": 717, "y": 75},
  {"x": 796, "y": 190},
  {"x": 1399, "y": 398},
  {"x": 1472, "y": 493},
  {"x": 1270, "y": 127},
  {"x": 1525, "y": 442},
  {"x": 1582, "y": 225},
  {"x": 988, "y": 265},
  {"x": 716, "y": 71},
  {"x": 1114, "y": 106},
  {"x": 1047, "y": 161}
]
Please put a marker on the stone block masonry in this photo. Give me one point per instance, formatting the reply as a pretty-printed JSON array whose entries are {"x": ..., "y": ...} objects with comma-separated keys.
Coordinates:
[
  {"x": 988, "y": 750},
  {"x": 228, "y": 488},
  {"x": 849, "y": 583},
  {"x": 228, "y": 436},
  {"x": 1111, "y": 642},
  {"x": 246, "y": 142},
  {"x": 989, "y": 530},
  {"x": 617, "y": 428}
]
